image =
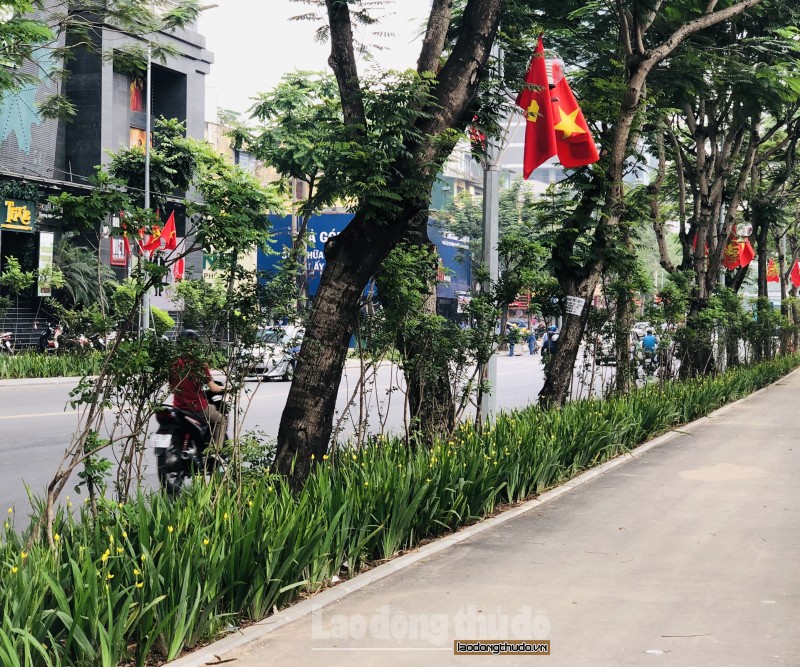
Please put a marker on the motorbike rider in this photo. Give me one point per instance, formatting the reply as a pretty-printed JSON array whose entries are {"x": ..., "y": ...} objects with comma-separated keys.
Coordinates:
[
  {"x": 649, "y": 346},
  {"x": 187, "y": 376},
  {"x": 649, "y": 343}
]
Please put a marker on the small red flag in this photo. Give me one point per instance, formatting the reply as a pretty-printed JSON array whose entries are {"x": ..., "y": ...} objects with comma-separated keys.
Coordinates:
[
  {"x": 795, "y": 274},
  {"x": 732, "y": 254},
  {"x": 177, "y": 269},
  {"x": 574, "y": 141},
  {"x": 169, "y": 234},
  {"x": 746, "y": 253},
  {"x": 540, "y": 140},
  {"x": 772, "y": 272}
]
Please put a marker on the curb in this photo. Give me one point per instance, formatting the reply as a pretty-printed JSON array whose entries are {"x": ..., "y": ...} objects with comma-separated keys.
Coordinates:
[
  {"x": 211, "y": 654},
  {"x": 33, "y": 382}
]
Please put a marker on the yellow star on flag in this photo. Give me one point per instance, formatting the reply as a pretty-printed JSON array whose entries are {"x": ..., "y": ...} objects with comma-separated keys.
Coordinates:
[
  {"x": 533, "y": 111},
  {"x": 567, "y": 124}
]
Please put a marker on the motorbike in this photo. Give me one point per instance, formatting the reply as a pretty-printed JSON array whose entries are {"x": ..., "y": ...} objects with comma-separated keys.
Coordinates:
[
  {"x": 101, "y": 342},
  {"x": 51, "y": 338},
  {"x": 181, "y": 445},
  {"x": 6, "y": 346}
]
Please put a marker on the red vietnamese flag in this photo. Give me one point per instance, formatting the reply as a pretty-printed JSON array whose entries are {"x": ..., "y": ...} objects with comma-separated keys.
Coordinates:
[
  {"x": 574, "y": 142},
  {"x": 772, "y": 272},
  {"x": 540, "y": 140},
  {"x": 169, "y": 234},
  {"x": 731, "y": 256},
  {"x": 154, "y": 242},
  {"x": 746, "y": 253},
  {"x": 795, "y": 274}
]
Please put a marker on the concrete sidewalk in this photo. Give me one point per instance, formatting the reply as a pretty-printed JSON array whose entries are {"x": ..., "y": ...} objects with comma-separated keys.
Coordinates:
[{"x": 686, "y": 555}]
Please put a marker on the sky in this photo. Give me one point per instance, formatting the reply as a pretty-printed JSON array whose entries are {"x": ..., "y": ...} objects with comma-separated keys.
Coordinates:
[{"x": 254, "y": 43}]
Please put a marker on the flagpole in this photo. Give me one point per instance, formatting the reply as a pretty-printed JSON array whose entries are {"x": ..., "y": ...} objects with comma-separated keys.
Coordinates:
[
  {"x": 491, "y": 225},
  {"x": 145, "y": 322}
]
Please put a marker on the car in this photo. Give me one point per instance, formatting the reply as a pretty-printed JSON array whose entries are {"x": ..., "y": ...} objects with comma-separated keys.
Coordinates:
[
  {"x": 640, "y": 329},
  {"x": 274, "y": 356},
  {"x": 604, "y": 345}
]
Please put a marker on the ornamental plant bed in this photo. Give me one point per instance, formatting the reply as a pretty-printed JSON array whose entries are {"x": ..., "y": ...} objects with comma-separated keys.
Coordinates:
[
  {"x": 152, "y": 578},
  {"x": 37, "y": 365}
]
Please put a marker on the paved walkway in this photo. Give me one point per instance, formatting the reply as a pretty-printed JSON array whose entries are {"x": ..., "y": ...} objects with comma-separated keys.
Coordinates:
[{"x": 686, "y": 556}]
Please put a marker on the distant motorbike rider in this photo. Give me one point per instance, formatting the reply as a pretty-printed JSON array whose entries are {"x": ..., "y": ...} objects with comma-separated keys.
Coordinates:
[
  {"x": 187, "y": 377},
  {"x": 649, "y": 346},
  {"x": 649, "y": 343}
]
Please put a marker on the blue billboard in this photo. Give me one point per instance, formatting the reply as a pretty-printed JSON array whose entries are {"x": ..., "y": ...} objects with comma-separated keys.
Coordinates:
[{"x": 453, "y": 254}]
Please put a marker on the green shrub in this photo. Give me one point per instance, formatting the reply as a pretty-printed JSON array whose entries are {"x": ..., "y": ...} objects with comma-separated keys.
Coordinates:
[
  {"x": 158, "y": 576},
  {"x": 36, "y": 365},
  {"x": 162, "y": 322}
]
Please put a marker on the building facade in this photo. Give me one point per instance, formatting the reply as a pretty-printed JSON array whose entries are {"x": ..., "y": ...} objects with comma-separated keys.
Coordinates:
[{"x": 42, "y": 156}]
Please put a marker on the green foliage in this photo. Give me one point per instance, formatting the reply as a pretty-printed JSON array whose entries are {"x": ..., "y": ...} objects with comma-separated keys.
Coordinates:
[
  {"x": 83, "y": 276},
  {"x": 301, "y": 132},
  {"x": 19, "y": 190},
  {"x": 173, "y": 163},
  {"x": 14, "y": 280},
  {"x": 36, "y": 365},
  {"x": 203, "y": 303},
  {"x": 235, "y": 206},
  {"x": 162, "y": 321},
  {"x": 157, "y": 576},
  {"x": 123, "y": 298},
  {"x": 33, "y": 27},
  {"x": 87, "y": 320}
]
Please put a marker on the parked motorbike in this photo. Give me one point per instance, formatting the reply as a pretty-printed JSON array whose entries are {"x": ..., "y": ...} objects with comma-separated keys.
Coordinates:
[
  {"x": 182, "y": 445},
  {"x": 6, "y": 346},
  {"x": 75, "y": 342},
  {"x": 101, "y": 342},
  {"x": 51, "y": 338}
]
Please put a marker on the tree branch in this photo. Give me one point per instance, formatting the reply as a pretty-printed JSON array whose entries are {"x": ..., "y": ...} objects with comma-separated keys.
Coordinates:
[
  {"x": 435, "y": 36},
  {"x": 343, "y": 63}
]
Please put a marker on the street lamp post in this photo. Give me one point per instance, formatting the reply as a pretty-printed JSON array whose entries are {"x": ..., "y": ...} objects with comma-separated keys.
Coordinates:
[
  {"x": 491, "y": 224},
  {"x": 145, "y": 321}
]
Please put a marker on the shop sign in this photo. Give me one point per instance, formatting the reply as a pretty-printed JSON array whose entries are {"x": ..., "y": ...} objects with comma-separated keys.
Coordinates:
[
  {"x": 17, "y": 215},
  {"x": 47, "y": 242}
]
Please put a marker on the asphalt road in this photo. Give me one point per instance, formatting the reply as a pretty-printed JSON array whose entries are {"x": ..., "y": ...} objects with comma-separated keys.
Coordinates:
[{"x": 35, "y": 425}]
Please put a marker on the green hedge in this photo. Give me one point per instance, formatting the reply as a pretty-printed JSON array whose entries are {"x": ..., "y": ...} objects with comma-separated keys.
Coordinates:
[
  {"x": 162, "y": 576},
  {"x": 37, "y": 365}
]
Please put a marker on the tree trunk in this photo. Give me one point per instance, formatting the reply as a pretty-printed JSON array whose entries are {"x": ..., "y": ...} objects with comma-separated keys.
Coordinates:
[
  {"x": 355, "y": 255},
  {"x": 561, "y": 365},
  {"x": 623, "y": 324},
  {"x": 352, "y": 257},
  {"x": 426, "y": 365}
]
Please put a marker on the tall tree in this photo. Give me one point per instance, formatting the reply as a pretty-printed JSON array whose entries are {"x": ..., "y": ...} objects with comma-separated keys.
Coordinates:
[
  {"x": 642, "y": 34},
  {"x": 405, "y": 158}
]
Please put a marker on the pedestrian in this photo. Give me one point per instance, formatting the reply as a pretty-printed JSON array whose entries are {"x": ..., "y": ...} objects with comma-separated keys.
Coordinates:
[
  {"x": 532, "y": 341},
  {"x": 513, "y": 338}
]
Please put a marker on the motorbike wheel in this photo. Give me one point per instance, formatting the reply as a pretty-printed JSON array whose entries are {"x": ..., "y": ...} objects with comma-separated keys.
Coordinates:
[{"x": 171, "y": 480}]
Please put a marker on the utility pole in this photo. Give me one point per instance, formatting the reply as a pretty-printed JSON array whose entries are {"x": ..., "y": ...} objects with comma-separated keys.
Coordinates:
[
  {"x": 145, "y": 321},
  {"x": 491, "y": 234}
]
